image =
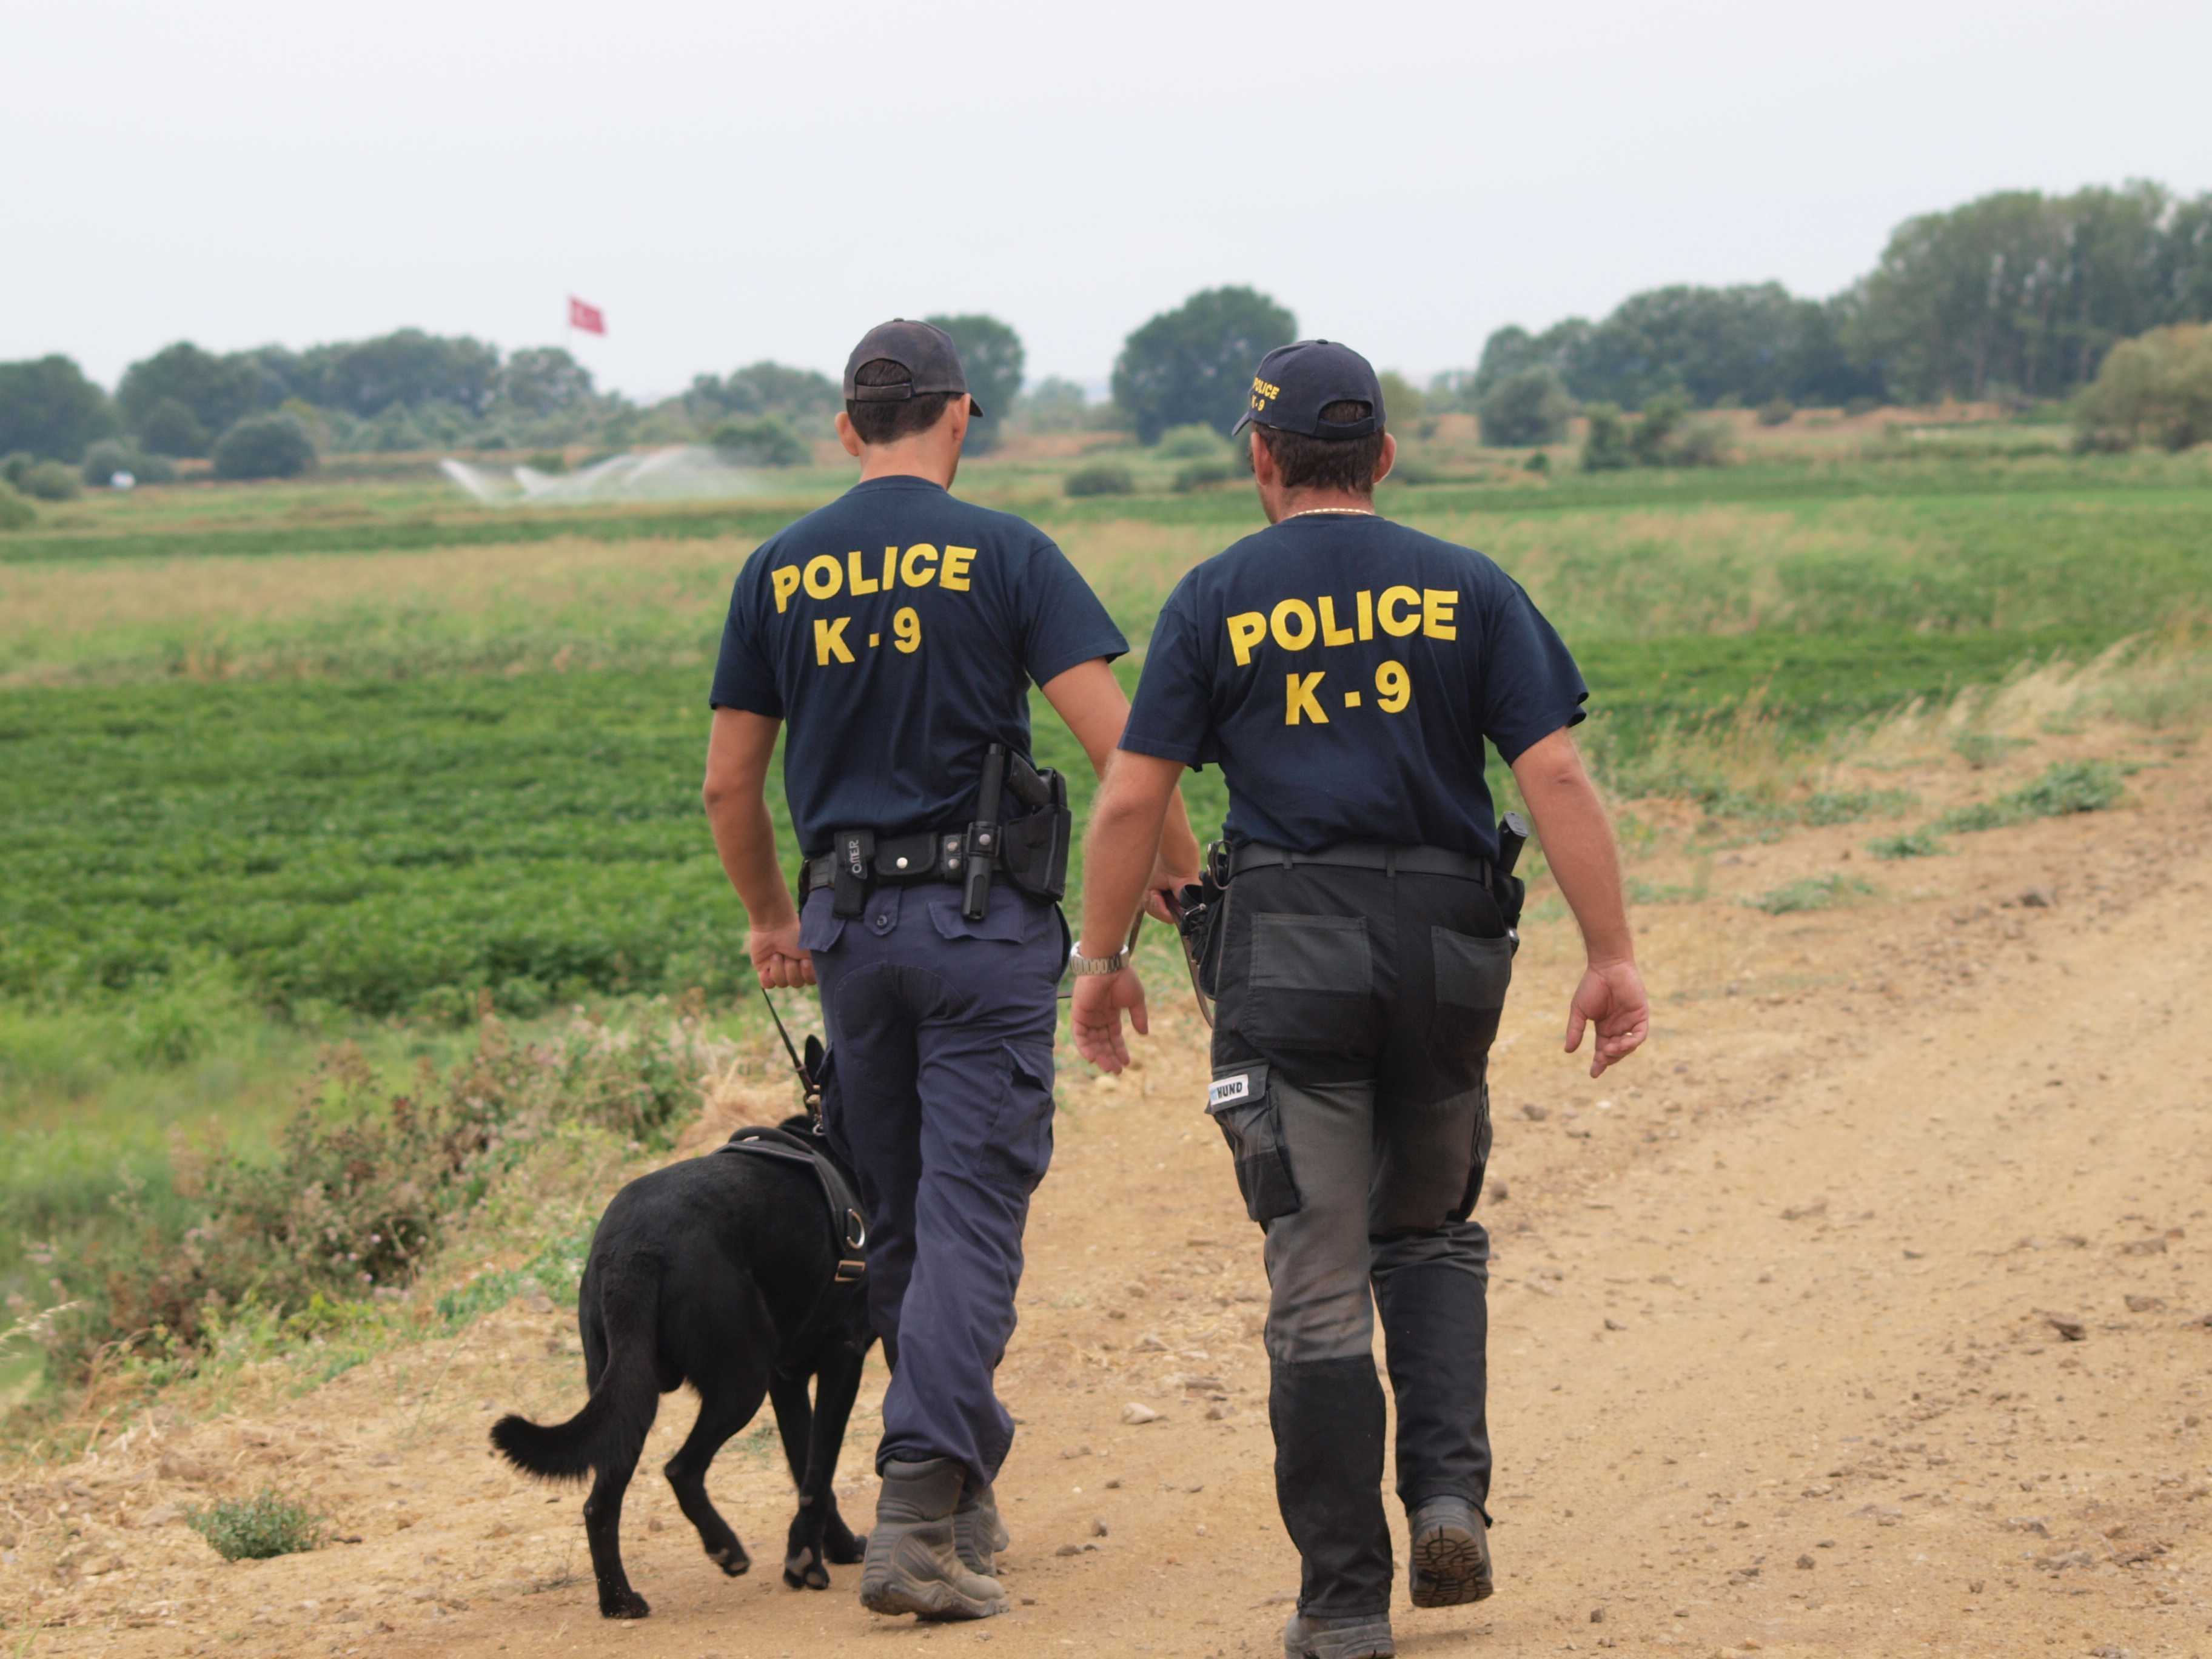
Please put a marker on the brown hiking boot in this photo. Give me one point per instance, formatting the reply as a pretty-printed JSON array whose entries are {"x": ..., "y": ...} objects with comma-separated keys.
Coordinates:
[
  {"x": 913, "y": 1564},
  {"x": 1451, "y": 1553}
]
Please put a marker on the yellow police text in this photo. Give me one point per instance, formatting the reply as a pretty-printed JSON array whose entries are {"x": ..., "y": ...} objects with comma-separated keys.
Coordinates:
[{"x": 1294, "y": 624}]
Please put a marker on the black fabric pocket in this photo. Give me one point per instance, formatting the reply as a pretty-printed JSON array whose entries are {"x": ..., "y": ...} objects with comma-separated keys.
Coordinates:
[
  {"x": 1472, "y": 977},
  {"x": 1310, "y": 983},
  {"x": 1241, "y": 1101}
]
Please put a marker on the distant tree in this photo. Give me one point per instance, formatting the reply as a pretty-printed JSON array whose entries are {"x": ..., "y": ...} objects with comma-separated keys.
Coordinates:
[
  {"x": 765, "y": 441},
  {"x": 1605, "y": 439},
  {"x": 544, "y": 380},
  {"x": 48, "y": 409},
  {"x": 1511, "y": 350},
  {"x": 1196, "y": 441},
  {"x": 1053, "y": 405},
  {"x": 408, "y": 368},
  {"x": 1402, "y": 402},
  {"x": 1649, "y": 441},
  {"x": 264, "y": 446},
  {"x": 41, "y": 480},
  {"x": 110, "y": 456},
  {"x": 2158, "y": 386},
  {"x": 212, "y": 392},
  {"x": 1099, "y": 478},
  {"x": 170, "y": 428},
  {"x": 992, "y": 357},
  {"x": 1529, "y": 406},
  {"x": 1196, "y": 362}
]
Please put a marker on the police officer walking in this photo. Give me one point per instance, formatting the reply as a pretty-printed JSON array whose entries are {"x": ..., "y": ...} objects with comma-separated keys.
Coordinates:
[
  {"x": 1346, "y": 673},
  {"x": 897, "y": 630}
]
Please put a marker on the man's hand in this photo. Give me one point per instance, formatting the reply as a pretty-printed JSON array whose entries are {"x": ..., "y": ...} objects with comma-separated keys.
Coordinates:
[
  {"x": 777, "y": 958},
  {"x": 1611, "y": 998},
  {"x": 1163, "y": 892},
  {"x": 1097, "y": 1016}
]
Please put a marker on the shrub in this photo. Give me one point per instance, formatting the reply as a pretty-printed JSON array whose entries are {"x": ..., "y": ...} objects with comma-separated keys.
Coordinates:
[
  {"x": 2158, "y": 386},
  {"x": 1776, "y": 411},
  {"x": 266, "y": 447},
  {"x": 1814, "y": 893},
  {"x": 15, "y": 511},
  {"x": 1099, "y": 478},
  {"x": 767, "y": 441},
  {"x": 1531, "y": 407},
  {"x": 1194, "y": 442},
  {"x": 1708, "y": 440},
  {"x": 1860, "y": 406},
  {"x": 1654, "y": 435},
  {"x": 113, "y": 455},
  {"x": 45, "y": 481},
  {"x": 1202, "y": 475},
  {"x": 2067, "y": 788},
  {"x": 255, "y": 1528},
  {"x": 1912, "y": 844},
  {"x": 1605, "y": 439},
  {"x": 1538, "y": 461}
]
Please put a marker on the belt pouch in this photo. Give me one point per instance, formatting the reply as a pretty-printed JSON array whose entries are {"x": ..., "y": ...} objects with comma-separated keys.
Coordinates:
[
  {"x": 854, "y": 851},
  {"x": 1033, "y": 852}
]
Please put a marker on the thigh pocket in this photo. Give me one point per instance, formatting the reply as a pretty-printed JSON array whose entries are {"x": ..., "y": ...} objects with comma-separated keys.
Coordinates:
[
  {"x": 1311, "y": 981},
  {"x": 1021, "y": 1135},
  {"x": 1472, "y": 977},
  {"x": 1244, "y": 1104}
]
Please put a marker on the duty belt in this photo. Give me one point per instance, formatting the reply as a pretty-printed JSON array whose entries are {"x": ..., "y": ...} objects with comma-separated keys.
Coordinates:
[
  {"x": 1363, "y": 855},
  {"x": 933, "y": 855}
]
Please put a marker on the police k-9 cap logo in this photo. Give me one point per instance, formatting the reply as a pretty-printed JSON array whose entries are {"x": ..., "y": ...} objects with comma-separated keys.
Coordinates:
[
  {"x": 1229, "y": 1089},
  {"x": 1263, "y": 393}
]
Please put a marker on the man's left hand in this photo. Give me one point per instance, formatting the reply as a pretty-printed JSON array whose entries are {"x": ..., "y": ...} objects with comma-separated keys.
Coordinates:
[
  {"x": 1096, "y": 1015},
  {"x": 777, "y": 957}
]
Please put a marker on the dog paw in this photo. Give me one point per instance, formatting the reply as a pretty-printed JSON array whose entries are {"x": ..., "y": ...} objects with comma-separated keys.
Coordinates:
[
  {"x": 848, "y": 1551},
  {"x": 623, "y": 1604},
  {"x": 803, "y": 1570},
  {"x": 731, "y": 1559}
]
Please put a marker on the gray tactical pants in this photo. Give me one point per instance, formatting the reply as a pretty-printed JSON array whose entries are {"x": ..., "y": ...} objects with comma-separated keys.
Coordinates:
[{"x": 1357, "y": 1012}]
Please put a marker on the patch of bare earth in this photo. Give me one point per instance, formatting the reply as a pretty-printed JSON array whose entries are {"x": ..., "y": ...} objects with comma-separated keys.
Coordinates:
[{"x": 1863, "y": 1313}]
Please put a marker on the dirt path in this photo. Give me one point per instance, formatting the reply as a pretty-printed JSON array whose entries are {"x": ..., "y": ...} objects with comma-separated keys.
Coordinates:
[{"x": 1863, "y": 1314}]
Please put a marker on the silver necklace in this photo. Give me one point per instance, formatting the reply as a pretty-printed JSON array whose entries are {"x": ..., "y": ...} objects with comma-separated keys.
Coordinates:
[{"x": 1308, "y": 512}]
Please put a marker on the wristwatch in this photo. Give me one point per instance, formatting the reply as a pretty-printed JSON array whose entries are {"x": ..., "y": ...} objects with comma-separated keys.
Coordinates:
[{"x": 1079, "y": 964}]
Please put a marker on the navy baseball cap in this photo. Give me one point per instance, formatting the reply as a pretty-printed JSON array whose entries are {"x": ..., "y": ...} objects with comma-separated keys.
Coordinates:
[
  {"x": 1296, "y": 382},
  {"x": 924, "y": 350}
]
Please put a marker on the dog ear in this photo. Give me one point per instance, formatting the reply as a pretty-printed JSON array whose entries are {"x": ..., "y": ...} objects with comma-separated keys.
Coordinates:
[{"x": 814, "y": 1057}]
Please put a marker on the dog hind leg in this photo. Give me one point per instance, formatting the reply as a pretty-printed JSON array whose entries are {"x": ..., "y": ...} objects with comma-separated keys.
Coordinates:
[
  {"x": 723, "y": 1410},
  {"x": 837, "y": 1386},
  {"x": 803, "y": 1565}
]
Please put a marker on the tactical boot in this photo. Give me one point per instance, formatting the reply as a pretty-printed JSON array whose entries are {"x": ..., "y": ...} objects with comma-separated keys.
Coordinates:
[
  {"x": 912, "y": 1564},
  {"x": 1366, "y": 1636},
  {"x": 978, "y": 1532},
  {"x": 1451, "y": 1553}
]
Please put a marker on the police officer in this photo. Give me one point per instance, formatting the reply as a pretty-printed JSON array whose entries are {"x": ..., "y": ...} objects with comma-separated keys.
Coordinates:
[
  {"x": 1346, "y": 673},
  {"x": 897, "y": 631}
]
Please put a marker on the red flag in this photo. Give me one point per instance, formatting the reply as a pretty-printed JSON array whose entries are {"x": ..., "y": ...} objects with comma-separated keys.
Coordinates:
[{"x": 590, "y": 319}]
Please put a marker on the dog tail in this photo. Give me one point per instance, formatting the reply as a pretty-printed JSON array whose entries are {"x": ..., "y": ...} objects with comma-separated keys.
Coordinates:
[{"x": 610, "y": 1430}]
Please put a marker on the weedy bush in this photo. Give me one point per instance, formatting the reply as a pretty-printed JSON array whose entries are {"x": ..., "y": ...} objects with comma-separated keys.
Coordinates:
[
  {"x": 1605, "y": 439},
  {"x": 255, "y": 1528},
  {"x": 1099, "y": 478},
  {"x": 1911, "y": 844},
  {"x": 1776, "y": 411},
  {"x": 363, "y": 1182},
  {"x": 1813, "y": 893},
  {"x": 45, "y": 481},
  {"x": 16, "y": 513},
  {"x": 2067, "y": 788},
  {"x": 113, "y": 455},
  {"x": 767, "y": 441}
]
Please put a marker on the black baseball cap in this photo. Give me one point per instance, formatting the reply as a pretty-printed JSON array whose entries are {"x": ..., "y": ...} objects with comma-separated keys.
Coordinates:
[
  {"x": 1296, "y": 382},
  {"x": 923, "y": 350}
]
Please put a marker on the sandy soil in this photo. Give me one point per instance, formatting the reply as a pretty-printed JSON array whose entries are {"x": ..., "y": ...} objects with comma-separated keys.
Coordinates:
[{"x": 1863, "y": 1314}]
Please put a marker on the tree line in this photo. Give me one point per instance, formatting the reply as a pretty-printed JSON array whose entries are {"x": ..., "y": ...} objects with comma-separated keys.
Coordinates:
[{"x": 2015, "y": 295}]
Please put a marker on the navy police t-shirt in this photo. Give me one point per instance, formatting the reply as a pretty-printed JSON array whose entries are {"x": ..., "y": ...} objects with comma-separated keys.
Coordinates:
[
  {"x": 897, "y": 630},
  {"x": 1344, "y": 672}
]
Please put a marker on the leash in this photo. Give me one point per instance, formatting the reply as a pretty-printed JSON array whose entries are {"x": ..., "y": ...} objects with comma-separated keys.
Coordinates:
[{"x": 810, "y": 1088}]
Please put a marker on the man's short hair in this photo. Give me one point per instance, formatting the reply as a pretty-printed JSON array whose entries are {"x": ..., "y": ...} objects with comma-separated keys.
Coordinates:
[
  {"x": 1344, "y": 464},
  {"x": 887, "y": 423}
]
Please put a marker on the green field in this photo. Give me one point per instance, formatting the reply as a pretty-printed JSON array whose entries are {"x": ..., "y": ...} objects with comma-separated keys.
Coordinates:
[{"x": 282, "y": 764}]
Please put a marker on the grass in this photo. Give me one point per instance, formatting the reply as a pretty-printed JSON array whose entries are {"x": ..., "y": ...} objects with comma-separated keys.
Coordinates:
[{"x": 1814, "y": 893}]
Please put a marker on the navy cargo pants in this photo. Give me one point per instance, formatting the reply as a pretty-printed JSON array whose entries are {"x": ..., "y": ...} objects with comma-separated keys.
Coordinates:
[
  {"x": 1357, "y": 1012},
  {"x": 937, "y": 1090}
]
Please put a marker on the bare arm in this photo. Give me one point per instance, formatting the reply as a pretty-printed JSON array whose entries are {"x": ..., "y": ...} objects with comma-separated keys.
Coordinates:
[
  {"x": 1577, "y": 842},
  {"x": 1088, "y": 698},
  {"x": 1139, "y": 792},
  {"x": 738, "y": 751}
]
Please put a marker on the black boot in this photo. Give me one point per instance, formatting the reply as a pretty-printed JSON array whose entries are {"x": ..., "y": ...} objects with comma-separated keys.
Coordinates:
[
  {"x": 978, "y": 1532},
  {"x": 1328, "y": 1417},
  {"x": 1450, "y": 1553},
  {"x": 912, "y": 1565}
]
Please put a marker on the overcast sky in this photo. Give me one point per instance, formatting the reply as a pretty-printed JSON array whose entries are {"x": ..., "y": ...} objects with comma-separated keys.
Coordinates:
[{"x": 733, "y": 182}]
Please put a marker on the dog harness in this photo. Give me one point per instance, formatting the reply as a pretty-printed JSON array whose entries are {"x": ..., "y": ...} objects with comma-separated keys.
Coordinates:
[{"x": 848, "y": 1222}]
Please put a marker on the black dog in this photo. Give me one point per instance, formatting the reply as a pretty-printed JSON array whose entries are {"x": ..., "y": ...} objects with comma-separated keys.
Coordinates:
[{"x": 726, "y": 1272}]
